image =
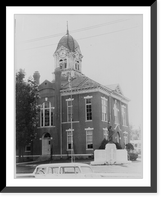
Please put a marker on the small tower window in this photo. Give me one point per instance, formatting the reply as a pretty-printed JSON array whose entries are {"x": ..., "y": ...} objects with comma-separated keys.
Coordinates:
[
  {"x": 77, "y": 65},
  {"x": 63, "y": 64}
]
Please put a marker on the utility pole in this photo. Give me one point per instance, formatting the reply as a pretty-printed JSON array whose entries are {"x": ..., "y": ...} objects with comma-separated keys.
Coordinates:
[
  {"x": 111, "y": 107},
  {"x": 70, "y": 85}
]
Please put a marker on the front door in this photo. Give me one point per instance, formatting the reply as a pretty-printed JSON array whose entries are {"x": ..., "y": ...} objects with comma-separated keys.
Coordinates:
[{"x": 46, "y": 146}]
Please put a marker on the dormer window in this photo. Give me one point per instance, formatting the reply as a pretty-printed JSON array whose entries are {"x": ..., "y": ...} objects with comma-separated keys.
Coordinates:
[{"x": 63, "y": 63}]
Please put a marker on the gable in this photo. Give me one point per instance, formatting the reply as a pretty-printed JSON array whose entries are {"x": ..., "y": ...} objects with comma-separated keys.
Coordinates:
[
  {"x": 116, "y": 88},
  {"x": 46, "y": 85},
  {"x": 75, "y": 82},
  {"x": 81, "y": 82},
  {"x": 88, "y": 83}
]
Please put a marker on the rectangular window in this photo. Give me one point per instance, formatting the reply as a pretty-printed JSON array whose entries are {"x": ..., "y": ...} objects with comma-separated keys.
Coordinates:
[
  {"x": 46, "y": 114},
  {"x": 89, "y": 139},
  {"x": 47, "y": 117},
  {"x": 41, "y": 117},
  {"x": 28, "y": 148},
  {"x": 69, "y": 140},
  {"x": 46, "y": 104},
  {"x": 125, "y": 140},
  {"x": 104, "y": 109},
  {"x": 124, "y": 115},
  {"x": 88, "y": 105},
  {"x": 116, "y": 112},
  {"x": 69, "y": 111},
  {"x": 52, "y": 118}
]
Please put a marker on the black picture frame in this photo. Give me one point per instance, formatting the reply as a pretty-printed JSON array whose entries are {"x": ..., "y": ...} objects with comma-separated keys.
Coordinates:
[{"x": 108, "y": 190}]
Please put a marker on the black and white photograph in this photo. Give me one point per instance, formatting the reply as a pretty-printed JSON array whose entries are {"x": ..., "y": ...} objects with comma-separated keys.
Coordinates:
[{"x": 79, "y": 98}]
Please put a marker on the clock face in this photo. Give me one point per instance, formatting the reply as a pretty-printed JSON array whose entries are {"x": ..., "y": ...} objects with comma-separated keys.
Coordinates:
[{"x": 62, "y": 53}]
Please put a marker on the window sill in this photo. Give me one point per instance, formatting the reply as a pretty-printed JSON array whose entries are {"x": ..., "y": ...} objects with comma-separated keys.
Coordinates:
[
  {"x": 45, "y": 127},
  {"x": 88, "y": 120},
  {"x": 104, "y": 121},
  {"x": 70, "y": 122}
]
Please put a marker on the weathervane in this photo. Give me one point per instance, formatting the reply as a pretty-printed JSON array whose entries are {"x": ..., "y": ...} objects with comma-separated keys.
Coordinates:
[{"x": 67, "y": 29}]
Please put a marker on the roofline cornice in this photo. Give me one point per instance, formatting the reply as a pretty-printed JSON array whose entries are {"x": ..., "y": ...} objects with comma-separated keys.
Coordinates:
[
  {"x": 94, "y": 89},
  {"x": 46, "y": 88},
  {"x": 114, "y": 94}
]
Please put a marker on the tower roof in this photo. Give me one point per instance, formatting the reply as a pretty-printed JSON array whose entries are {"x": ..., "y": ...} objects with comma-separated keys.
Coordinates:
[{"x": 68, "y": 42}]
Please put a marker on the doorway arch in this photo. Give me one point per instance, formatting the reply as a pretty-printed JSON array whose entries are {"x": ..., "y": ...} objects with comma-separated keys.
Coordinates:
[{"x": 46, "y": 144}]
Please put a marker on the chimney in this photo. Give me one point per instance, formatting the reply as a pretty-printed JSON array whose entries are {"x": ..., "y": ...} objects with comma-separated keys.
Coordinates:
[
  {"x": 57, "y": 79},
  {"x": 36, "y": 77},
  {"x": 57, "y": 87}
]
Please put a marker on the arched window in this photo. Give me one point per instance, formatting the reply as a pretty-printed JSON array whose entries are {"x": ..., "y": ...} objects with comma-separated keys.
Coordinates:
[
  {"x": 46, "y": 114},
  {"x": 63, "y": 63},
  {"x": 77, "y": 65}
]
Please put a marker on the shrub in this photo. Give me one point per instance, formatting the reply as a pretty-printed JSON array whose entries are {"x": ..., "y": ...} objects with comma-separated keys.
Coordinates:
[
  {"x": 133, "y": 156},
  {"x": 129, "y": 147}
]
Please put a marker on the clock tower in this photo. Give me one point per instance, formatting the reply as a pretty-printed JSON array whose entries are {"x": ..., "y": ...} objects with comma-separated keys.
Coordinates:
[{"x": 68, "y": 56}]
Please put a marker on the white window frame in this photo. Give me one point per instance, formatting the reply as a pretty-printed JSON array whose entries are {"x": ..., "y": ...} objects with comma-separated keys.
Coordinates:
[
  {"x": 52, "y": 115},
  {"x": 125, "y": 133},
  {"x": 86, "y": 98},
  {"x": 49, "y": 110},
  {"x": 69, "y": 106},
  {"x": 116, "y": 121},
  {"x": 42, "y": 110},
  {"x": 125, "y": 139},
  {"x": 63, "y": 62},
  {"x": 89, "y": 131},
  {"x": 70, "y": 134},
  {"x": 77, "y": 65},
  {"x": 124, "y": 115},
  {"x": 28, "y": 145},
  {"x": 105, "y": 133},
  {"x": 104, "y": 104}
]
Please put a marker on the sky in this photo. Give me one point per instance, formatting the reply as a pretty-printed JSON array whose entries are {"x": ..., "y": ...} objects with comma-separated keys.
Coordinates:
[{"x": 111, "y": 45}]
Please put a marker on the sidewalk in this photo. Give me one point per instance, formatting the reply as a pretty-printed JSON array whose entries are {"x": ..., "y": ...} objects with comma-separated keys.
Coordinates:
[
  {"x": 37, "y": 162},
  {"x": 24, "y": 163},
  {"x": 123, "y": 175},
  {"x": 131, "y": 170}
]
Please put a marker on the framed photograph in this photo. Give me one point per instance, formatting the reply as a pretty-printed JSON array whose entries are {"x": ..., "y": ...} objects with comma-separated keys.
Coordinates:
[{"x": 81, "y": 99}]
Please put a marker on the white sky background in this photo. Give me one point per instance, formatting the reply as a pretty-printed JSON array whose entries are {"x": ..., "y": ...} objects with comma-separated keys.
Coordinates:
[{"x": 112, "y": 47}]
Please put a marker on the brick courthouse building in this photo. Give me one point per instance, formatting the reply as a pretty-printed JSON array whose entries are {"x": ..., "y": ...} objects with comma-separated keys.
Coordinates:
[{"x": 76, "y": 111}]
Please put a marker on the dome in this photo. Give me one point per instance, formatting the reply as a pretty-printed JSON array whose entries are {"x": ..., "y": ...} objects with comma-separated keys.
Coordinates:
[{"x": 69, "y": 42}]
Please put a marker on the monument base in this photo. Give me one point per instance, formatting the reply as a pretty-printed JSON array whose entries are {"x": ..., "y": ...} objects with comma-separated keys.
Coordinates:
[{"x": 110, "y": 155}]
